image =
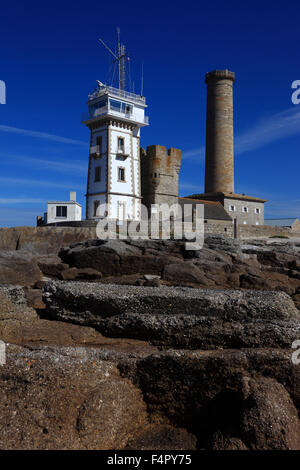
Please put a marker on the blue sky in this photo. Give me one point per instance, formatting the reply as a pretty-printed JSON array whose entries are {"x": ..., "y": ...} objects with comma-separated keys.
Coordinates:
[{"x": 50, "y": 61}]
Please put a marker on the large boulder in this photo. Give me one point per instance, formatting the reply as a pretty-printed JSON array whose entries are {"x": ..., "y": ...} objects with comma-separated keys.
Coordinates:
[
  {"x": 180, "y": 317},
  {"x": 245, "y": 399},
  {"x": 18, "y": 268},
  {"x": 66, "y": 399}
]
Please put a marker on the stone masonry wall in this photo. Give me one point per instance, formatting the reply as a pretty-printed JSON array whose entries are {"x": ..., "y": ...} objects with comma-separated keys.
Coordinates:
[
  {"x": 219, "y": 170},
  {"x": 160, "y": 170}
]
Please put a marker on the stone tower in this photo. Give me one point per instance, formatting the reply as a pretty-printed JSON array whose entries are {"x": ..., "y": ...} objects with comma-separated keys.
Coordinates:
[
  {"x": 219, "y": 170},
  {"x": 160, "y": 171}
]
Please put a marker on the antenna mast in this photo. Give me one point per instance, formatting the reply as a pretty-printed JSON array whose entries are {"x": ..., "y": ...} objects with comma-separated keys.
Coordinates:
[{"x": 119, "y": 58}]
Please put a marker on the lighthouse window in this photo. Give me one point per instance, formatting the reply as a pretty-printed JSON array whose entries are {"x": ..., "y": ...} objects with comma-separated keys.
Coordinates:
[
  {"x": 61, "y": 211},
  {"x": 99, "y": 143},
  {"x": 98, "y": 173},
  {"x": 121, "y": 145},
  {"x": 120, "y": 107},
  {"x": 96, "y": 206},
  {"x": 121, "y": 173}
]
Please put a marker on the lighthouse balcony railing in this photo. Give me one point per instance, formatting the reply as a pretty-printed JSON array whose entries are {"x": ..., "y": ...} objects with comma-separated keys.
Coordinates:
[
  {"x": 117, "y": 92},
  {"x": 93, "y": 114}
]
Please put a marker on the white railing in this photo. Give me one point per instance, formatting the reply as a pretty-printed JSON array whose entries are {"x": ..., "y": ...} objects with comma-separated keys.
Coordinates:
[
  {"x": 117, "y": 92},
  {"x": 93, "y": 114}
]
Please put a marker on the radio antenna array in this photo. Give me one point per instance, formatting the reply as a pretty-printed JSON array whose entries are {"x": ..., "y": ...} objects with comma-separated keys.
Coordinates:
[{"x": 120, "y": 59}]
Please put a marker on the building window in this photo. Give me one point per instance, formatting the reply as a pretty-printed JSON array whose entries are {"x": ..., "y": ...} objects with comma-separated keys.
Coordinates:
[
  {"x": 121, "y": 144},
  {"x": 99, "y": 143},
  {"x": 232, "y": 208},
  {"x": 61, "y": 211},
  {"x": 245, "y": 209},
  {"x": 121, "y": 173},
  {"x": 97, "y": 173},
  {"x": 96, "y": 206},
  {"x": 257, "y": 210},
  {"x": 245, "y": 223}
]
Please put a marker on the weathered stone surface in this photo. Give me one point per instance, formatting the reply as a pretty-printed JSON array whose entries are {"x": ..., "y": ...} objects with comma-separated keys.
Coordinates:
[
  {"x": 42, "y": 240},
  {"x": 51, "y": 265},
  {"x": 269, "y": 417},
  {"x": 179, "y": 317},
  {"x": 66, "y": 399},
  {"x": 229, "y": 399},
  {"x": 162, "y": 437},
  {"x": 221, "y": 263},
  {"x": 71, "y": 274},
  {"x": 18, "y": 268}
]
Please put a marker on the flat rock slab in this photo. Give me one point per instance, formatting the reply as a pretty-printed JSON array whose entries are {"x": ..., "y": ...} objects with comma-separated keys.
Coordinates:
[{"x": 178, "y": 317}]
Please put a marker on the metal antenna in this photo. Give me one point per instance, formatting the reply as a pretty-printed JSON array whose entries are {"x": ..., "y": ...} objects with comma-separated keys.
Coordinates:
[
  {"x": 120, "y": 58},
  {"x": 142, "y": 79}
]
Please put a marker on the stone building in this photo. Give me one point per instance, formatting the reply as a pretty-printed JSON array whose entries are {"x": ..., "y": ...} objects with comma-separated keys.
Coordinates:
[
  {"x": 159, "y": 175},
  {"x": 219, "y": 156}
]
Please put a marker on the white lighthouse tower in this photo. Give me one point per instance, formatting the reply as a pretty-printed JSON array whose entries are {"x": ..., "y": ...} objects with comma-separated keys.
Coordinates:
[{"x": 115, "y": 117}]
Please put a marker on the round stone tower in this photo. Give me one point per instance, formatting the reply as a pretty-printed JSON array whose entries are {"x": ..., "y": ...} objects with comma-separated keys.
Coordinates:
[{"x": 219, "y": 171}]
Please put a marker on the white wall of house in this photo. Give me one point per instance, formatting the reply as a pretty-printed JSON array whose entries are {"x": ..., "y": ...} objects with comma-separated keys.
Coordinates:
[{"x": 73, "y": 211}]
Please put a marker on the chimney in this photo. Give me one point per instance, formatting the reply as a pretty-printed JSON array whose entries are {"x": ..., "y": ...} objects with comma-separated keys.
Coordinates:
[{"x": 73, "y": 196}]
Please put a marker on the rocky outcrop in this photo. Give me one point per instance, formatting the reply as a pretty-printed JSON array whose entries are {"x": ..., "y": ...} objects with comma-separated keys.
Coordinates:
[
  {"x": 42, "y": 240},
  {"x": 120, "y": 393},
  {"x": 221, "y": 263},
  {"x": 244, "y": 399},
  {"x": 18, "y": 268},
  {"x": 178, "y": 317},
  {"x": 66, "y": 399}
]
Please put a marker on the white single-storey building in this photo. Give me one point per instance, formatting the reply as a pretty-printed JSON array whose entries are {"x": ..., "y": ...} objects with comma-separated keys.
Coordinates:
[{"x": 61, "y": 211}]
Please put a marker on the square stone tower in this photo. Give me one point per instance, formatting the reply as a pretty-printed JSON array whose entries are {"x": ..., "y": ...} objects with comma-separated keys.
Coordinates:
[{"x": 160, "y": 173}]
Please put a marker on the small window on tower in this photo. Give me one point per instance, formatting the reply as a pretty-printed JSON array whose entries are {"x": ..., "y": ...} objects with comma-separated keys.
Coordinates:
[
  {"x": 96, "y": 206},
  {"x": 121, "y": 173},
  {"x": 245, "y": 209},
  {"x": 97, "y": 173},
  {"x": 99, "y": 143},
  {"x": 121, "y": 145},
  {"x": 232, "y": 208},
  {"x": 61, "y": 211}
]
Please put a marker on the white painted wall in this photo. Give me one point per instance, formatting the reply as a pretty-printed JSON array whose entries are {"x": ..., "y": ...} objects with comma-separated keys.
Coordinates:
[{"x": 73, "y": 212}]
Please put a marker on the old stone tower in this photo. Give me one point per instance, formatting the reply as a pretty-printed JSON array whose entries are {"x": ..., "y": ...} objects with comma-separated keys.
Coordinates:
[
  {"x": 159, "y": 175},
  {"x": 219, "y": 158},
  {"x": 219, "y": 132}
]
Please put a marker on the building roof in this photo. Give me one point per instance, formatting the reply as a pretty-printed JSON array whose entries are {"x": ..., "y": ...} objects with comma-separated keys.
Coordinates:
[
  {"x": 212, "y": 209},
  {"x": 64, "y": 202},
  {"x": 288, "y": 222},
  {"x": 244, "y": 197}
]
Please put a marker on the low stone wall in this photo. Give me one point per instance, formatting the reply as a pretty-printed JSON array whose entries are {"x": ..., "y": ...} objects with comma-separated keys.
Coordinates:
[
  {"x": 219, "y": 227},
  {"x": 247, "y": 231}
]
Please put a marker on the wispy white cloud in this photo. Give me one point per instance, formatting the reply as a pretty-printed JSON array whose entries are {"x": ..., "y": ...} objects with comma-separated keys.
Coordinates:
[
  {"x": 7, "y": 200},
  {"x": 42, "y": 135},
  {"x": 76, "y": 166},
  {"x": 267, "y": 130},
  {"x": 197, "y": 154},
  {"x": 36, "y": 182},
  {"x": 195, "y": 188},
  {"x": 282, "y": 208}
]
